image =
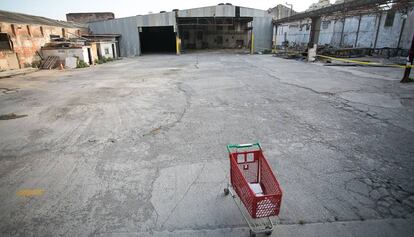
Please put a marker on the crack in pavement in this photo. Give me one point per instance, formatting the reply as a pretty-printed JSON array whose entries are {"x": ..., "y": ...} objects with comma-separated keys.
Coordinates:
[
  {"x": 341, "y": 100},
  {"x": 184, "y": 195},
  {"x": 172, "y": 124}
]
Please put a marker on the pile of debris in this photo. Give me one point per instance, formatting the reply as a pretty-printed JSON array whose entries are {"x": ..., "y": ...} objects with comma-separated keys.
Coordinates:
[
  {"x": 62, "y": 53},
  {"x": 295, "y": 51}
]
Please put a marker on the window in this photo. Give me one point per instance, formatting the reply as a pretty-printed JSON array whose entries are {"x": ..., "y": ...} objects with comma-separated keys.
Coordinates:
[
  {"x": 63, "y": 33},
  {"x": 231, "y": 28},
  {"x": 389, "y": 20},
  {"x": 106, "y": 50},
  {"x": 5, "y": 43},
  {"x": 41, "y": 31},
  {"x": 219, "y": 27}
]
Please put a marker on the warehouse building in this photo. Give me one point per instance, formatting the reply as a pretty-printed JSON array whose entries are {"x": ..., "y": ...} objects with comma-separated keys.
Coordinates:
[
  {"x": 375, "y": 25},
  {"x": 215, "y": 27}
]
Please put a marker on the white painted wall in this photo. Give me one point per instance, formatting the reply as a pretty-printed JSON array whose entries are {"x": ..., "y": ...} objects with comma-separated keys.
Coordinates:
[
  {"x": 106, "y": 50},
  {"x": 81, "y": 53},
  {"x": 331, "y": 32},
  {"x": 296, "y": 33},
  {"x": 85, "y": 55}
]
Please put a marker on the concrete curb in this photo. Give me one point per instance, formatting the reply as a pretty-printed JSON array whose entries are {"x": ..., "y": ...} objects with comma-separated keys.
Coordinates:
[{"x": 17, "y": 72}]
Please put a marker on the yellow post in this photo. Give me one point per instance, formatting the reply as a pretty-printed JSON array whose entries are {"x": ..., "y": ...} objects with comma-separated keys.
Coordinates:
[
  {"x": 178, "y": 45},
  {"x": 252, "y": 45}
]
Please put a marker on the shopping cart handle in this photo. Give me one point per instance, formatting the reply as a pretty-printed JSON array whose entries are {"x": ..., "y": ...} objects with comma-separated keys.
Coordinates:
[{"x": 231, "y": 146}]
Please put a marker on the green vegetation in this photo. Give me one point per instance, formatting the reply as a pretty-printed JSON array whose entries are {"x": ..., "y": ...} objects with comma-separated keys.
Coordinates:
[
  {"x": 35, "y": 64},
  {"x": 103, "y": 60},
  {"x": 81, "y": 64},
  {"x": 267, "y": 51}
]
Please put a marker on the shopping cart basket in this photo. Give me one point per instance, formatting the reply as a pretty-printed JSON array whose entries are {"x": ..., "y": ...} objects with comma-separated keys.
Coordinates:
[{"x": 253, "y": 183}]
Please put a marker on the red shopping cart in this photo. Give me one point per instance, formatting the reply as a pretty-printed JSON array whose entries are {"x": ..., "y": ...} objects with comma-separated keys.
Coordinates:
[{"x": 252, "y": 179}]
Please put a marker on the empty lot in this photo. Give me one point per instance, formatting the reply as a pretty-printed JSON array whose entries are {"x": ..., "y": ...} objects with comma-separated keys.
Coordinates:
[{"x": 137, "y": 147}]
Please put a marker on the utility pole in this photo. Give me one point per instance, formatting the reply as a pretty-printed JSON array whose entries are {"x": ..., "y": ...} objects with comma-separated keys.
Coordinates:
[{"x": 409, "y": 64}]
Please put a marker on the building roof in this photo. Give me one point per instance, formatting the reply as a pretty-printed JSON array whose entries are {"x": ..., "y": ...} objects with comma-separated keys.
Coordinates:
[
  {"x": 20, "y": 18},
  {"x": 221, "y": 10},
  {"x": 343, "y": 7}
]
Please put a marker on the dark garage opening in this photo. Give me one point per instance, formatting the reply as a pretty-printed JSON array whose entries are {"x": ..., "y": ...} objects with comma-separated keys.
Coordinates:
[
  {"x": 199, "y": 33},
  {"x": 160, "y": 39}
]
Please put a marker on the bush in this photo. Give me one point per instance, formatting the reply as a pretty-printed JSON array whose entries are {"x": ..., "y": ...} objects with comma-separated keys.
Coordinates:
[
  {"x": 103, "y": 60},
  {"x": 267, "y": 51},
  {"x": 35, "y": 64},
  {"x": 81, "y": 64}
]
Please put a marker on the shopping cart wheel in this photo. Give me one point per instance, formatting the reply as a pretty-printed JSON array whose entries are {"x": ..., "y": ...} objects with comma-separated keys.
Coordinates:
[
  {"x": 226, "y": 191},
  {"x": 269, "y": 232},
  {"x": 252, "y": 234}
]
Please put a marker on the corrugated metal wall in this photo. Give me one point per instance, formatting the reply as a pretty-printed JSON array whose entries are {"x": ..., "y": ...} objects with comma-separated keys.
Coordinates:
[
  {"x": 213, "y": 11},
  {"x": 158, "y": 19},
  {"x": 128, "y": 29},
  {"x": 262, "y": 30}
]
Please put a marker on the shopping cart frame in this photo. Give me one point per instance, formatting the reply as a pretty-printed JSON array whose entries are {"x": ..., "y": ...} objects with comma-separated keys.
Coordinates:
[{"x": 257, "y": 225}]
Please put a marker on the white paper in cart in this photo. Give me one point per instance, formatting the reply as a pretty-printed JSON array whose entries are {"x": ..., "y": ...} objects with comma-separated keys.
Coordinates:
[{"x": 257, "y": 189}]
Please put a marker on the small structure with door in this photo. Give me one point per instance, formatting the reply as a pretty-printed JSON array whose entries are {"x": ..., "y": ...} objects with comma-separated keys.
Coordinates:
[{"x": 103, "y": 45}]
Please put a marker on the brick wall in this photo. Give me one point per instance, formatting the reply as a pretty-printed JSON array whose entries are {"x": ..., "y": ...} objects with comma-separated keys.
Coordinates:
[{"x": 28, "y": 39}]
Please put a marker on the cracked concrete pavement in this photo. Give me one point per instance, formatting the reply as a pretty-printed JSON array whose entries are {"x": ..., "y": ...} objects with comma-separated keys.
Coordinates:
[{"x": 137, "y": 147}]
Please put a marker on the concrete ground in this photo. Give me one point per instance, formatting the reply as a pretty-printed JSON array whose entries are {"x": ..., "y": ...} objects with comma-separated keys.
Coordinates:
[
  {"x": 137, "y": 147},
  {"x": 16, "y": 72}
]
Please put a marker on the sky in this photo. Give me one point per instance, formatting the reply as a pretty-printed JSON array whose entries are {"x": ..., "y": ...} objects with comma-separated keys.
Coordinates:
[{"x": 57, "y": 9}]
